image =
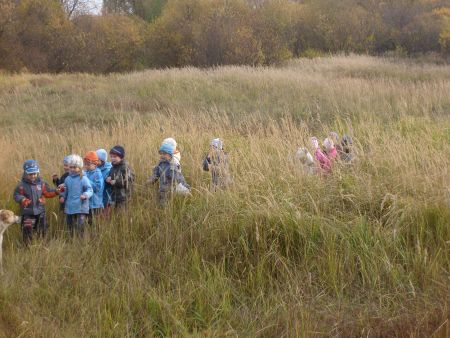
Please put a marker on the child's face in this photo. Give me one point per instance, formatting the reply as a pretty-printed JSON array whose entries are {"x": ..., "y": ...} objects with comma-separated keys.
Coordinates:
[
  {"x": 66, "y": 167},
  {"x": 88, "y": 165},
  {"x": 32, "y": 177},
  {"x": 74, "y": 169},
  {"x": 115, "y": 159},
  {"x": 165, "y": 156}
]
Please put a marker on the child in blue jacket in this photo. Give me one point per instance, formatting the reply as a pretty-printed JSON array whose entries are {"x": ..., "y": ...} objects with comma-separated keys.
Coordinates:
[
  {"x": 171, "y": 180},
  {"x": 30, "y": 193},
  {"x": 105, "y": 168},
  {"x": 95, "y": 177},
  {"x": 78, "y": 191}
]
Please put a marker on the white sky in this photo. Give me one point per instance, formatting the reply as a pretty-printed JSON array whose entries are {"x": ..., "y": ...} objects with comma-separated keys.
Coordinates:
[{"x": 96, "y": 6}]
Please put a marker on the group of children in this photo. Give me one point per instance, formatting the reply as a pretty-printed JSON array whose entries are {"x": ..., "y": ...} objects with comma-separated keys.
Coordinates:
[
  {"x": 91, "y": 186},
  {"x": 334, "y": 149}
]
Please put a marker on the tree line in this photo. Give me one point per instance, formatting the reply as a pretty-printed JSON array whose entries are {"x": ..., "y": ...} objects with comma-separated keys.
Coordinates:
[{"x": 63, "y": 35}]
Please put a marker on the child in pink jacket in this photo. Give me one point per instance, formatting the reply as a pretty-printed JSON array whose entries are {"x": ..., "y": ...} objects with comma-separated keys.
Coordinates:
[
  {"x": 330, "y": 149},
  {"x": 324, "y": 161}
]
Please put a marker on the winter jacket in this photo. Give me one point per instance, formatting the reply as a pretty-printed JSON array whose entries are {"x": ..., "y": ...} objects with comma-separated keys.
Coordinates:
[
  {"x": 77, "y": 185},
  {"x": 107, "y": 190},
  {"x": 169, "y": 176},
  {"x": 96, "y": 178},
  {"x": 124, "y": 177},
  {"x": 58, "y": 181},
  {"x": 347, "y": 156},
  {"x": 31, "y": 196},
  {"x": 219, "y": 167},
  {"x": 324, "y": 161},
  {"x": 332, "y": 154}
]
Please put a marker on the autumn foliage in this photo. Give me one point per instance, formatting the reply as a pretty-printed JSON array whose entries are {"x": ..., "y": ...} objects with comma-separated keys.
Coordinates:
[{"x": 40, "y": 36}]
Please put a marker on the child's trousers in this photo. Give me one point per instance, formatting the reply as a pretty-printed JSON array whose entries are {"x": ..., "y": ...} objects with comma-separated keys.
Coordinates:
[
  {"x": 75, "y": 223},
  {"x": 31, "y": 224}
]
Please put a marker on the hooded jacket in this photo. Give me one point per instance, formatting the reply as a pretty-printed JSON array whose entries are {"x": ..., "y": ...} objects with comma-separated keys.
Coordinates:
[
  {"x": 169, "y": 176},
  {"x": 77, "y": 185},
  {"x": 107, "y": 190},
  {"x": 31, "y": 196},
  {"x": 124, "y": 177},
  {"x": 219, "y": 166},
  {"x": 97, "y": 183}
]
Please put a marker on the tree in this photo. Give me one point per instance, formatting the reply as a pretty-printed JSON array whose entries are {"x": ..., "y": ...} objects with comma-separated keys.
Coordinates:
[
  {"x": 77, "y": 7},
  {"x": 111, "y": 43},
  {"x": 145, "y": 9}
]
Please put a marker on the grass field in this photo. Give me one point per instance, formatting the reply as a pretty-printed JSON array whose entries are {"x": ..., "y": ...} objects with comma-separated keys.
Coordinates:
[{"x": 364, "y": 252}]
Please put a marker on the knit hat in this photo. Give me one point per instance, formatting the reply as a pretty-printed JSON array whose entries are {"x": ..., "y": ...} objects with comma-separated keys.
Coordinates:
[
  {"x": 66, "y": 159},
  {"x": 328, "y": 143},
  {"x": 217, "y": 143},
  {"x": 315, "y": 142},
  {"x": 167, "y": 149},
  {"x": 31, "y": 167},
  {"x": 118, "y": 151},
  {"x": 102, "y": 155},
  {"x": 91, "y": 156},
  {"x": 76, "y": 161},
  {"x": 334, "y": 136},
  {"x": 347, "y": 140},
  {"x": 170, "y": 141}
]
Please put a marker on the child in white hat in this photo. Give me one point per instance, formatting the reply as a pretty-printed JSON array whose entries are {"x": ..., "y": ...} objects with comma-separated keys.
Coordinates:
[
  {"x": 176, "y": 158},
  {"x": 217, "y": 163}
]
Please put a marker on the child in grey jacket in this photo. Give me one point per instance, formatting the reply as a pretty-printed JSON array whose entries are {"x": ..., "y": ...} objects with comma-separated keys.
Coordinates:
[
  {"x": 169, "y": 175},
  {"x": 217, "y": 163}
]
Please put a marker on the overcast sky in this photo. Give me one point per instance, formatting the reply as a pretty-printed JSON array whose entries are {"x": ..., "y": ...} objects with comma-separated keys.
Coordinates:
[{"x": 97, "y": 6}]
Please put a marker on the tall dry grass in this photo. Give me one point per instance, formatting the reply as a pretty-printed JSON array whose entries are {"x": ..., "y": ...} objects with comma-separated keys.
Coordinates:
[{"x": 364, "y": 252}]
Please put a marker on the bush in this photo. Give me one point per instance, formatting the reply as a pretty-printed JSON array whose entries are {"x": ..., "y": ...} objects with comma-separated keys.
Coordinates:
[{"x": 111, "y": 43}]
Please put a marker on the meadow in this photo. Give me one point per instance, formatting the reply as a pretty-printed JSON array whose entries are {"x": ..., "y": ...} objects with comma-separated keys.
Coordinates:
[{"x": 364, "y": 252}]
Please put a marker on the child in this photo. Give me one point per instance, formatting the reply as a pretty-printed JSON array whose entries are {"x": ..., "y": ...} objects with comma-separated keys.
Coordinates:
[
  {"x": 330, "y": 149},
  {"x": 216, "y": 162},
  {"x": 30, "y": 193},
  {"x": 120, "y": 178},
  {"x": 105, "y": 167},
  {"x": 59, "y": 181},
  {"x": 170, "y": 178},
  {"x": 176, "y": 154},
  {"x": 95, "y": 177},
  {"x": 306, "y": 161},
  {"x": 335, "y": 138},
  {"x": 322, "y": 159},
  {"x": 347, "y": 154},
  {"x": 76, "y": 195}
]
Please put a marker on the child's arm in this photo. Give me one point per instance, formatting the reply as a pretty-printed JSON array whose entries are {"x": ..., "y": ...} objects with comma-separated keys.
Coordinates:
[
  {"x": 206, "y": 163},
  {"x": 97, "y": 183},
  {"x": 155, "y": 176},
  {"x": 64, "y": 193},
  {"x": 48, "y": 192},
  {"x": 87, "y": 189},
  {"x": 19, "y": 196},
  {"x": 180, "y": 179},
  {"x": 55, "y": 180}
]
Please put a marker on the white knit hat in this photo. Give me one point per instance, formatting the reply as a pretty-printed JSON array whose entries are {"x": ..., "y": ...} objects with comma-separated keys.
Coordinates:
[
  {"x": 76, "y": 161},
  {"x": 217, "y": 143},
  {"x": 315, "y": 142}
]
